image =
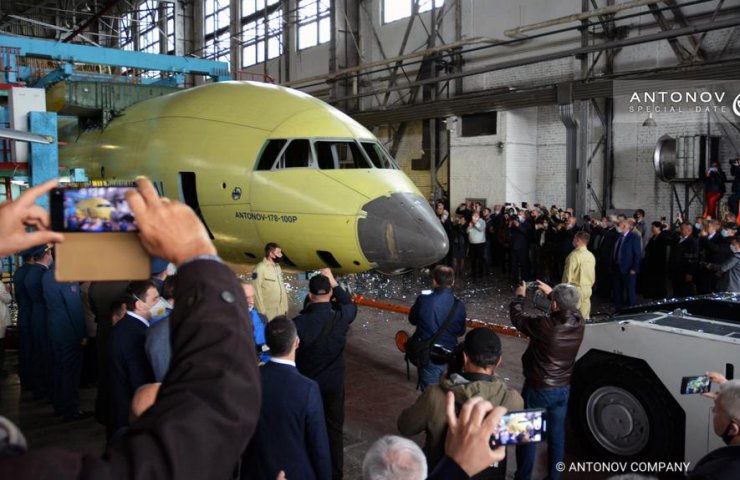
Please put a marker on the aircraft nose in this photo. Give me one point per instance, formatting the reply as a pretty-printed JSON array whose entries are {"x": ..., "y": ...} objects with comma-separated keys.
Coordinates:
[{"x": 401, "y": 231}]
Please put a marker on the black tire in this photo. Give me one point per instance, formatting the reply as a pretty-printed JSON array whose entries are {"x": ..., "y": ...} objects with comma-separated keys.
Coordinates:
[{"x": 620, "y": 411}]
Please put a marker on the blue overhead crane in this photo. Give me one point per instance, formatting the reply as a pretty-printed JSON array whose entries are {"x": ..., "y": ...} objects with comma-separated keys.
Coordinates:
[{"x": 69, "y": 52}]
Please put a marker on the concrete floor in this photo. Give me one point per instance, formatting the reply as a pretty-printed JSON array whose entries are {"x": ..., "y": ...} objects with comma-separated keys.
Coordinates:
[{"x": 377, "y": 387}]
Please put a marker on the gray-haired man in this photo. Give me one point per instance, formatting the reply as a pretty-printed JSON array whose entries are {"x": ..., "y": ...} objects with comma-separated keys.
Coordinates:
[
  {"x": 394, "y": 458},
  {"x": 548, "y": 362}
]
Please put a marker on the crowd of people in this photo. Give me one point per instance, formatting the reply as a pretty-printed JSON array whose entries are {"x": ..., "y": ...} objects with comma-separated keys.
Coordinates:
[
  {"x": 180, "y": 391},
  {"x": 616, "y": 256},
  {"x": 197, "y": 380}
]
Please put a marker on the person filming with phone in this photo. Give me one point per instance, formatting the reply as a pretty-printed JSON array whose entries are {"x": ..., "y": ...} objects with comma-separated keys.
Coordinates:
[
  {"x": 722, "y": 463},
  {"x": 481, "y": 355},
  {"x": 208, "y": 405},
  {"x": 554, "y": 340}
]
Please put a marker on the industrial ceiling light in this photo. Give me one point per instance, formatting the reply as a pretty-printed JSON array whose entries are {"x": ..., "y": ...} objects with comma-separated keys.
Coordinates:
[{"x": 649, "y": 121}]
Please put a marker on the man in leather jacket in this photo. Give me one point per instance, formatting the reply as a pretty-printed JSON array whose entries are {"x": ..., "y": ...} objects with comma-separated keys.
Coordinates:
[{"x": 554, "y": 340}]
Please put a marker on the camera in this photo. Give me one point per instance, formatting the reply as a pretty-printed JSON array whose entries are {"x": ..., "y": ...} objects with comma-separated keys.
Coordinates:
[{"x": 453, "y": 358}]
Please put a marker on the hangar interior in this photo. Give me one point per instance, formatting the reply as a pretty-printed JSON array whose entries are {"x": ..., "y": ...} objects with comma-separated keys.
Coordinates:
[{"x": 602, "y": 106}]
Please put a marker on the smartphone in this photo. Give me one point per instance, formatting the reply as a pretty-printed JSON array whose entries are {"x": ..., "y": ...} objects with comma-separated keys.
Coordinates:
[
  {"x": 97, "y": 223},
  {"x": 696, "y": 384},
  {"x": 519, "y": 427},
  {"x": 91, "y": 210}
]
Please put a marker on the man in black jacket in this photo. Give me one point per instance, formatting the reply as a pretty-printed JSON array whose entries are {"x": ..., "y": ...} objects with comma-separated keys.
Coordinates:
[
  {"x": 322, "y": 327},
  {"x": 683, "y": 261},
  {"x": 548, "y": 363},
  {"x": 208, "y": 406}
]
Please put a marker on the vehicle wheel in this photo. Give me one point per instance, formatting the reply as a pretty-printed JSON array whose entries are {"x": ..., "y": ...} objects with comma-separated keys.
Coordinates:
[{"x": 619, "y": 413}]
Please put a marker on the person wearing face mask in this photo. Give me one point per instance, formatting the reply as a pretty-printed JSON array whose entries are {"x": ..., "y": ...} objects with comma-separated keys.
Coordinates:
[
  {"x": 626, "y": 259},
  {"x": 712, "y": 249},
  {"x": 520, "y": 230},
  {"x": 41, "y": 369},
  {"x": 682, "y": 261},
  {"x": 157, "y": 344},
  {"x": 67, "y": 338},
  {"x": 714, "y": 188},
  {"x": 724, "y": 462},
  {"x": 580, "y": 271},
  {"x": 270, "y": 295},
  {"x": 729, "y": 270},
  {"x": 129, "y": 366},
  {"x": 655, "y": 266}
]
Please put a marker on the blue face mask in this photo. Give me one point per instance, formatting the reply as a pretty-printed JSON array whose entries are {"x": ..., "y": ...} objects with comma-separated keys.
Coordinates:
[
  {"x": 725, "y": 233},
  {"x": 697, "y": 226}
]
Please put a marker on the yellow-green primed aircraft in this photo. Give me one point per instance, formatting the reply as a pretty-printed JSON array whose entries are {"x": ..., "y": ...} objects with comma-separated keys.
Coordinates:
[{"x": 262, "y": 163}]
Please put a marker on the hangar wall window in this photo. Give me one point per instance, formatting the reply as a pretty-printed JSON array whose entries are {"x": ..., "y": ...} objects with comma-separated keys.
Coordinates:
[
  {"x": 397, "y": 9},
  {"x": 478, "y": 124},
  {"x": 314, "y": 23},
  {"x": 216, "y": 28},
  {"x": 142, "y": 29},
  {"x": 262, "y": 31}
]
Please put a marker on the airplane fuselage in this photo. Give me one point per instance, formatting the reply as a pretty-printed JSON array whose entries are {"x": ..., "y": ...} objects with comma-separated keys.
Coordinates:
[{"x": 262, "y": 164}]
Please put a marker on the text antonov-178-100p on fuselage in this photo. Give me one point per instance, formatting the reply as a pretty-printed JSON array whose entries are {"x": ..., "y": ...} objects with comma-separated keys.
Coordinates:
[{"x": 262, "y": 163}]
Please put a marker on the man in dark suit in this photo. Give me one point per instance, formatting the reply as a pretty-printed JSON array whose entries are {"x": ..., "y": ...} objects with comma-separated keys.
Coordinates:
[
  {"x": 129, "y": 367},
  {"x": 713, "y": 249},
  {"x": 322, "y": 327},
  {"x": 626, "y": 260},
  {"x": 102, "y": 296},
  {"x": 604, "y": 257},
  {"x": 682, "y": 261},
  {"x": 207, "y": 408},
  {"x": 67, "y": 337},
  {"x": 520, "y": 230},
  {"x": 25, "y": 355},
  {"x": 41, "y": 366},
  {"x": 291, "y": 433}
]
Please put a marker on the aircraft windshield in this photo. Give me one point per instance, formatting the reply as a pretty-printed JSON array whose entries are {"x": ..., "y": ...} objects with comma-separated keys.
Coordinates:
[
  {"x": 340, "y": 154},
  {"x": 330, "y": 155},
  {"x": 378, "y": 155}
]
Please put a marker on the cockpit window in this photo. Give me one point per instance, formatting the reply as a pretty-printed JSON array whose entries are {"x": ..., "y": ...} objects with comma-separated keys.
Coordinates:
[
  {"x": 338, "y": 154},
  {"x": 270, "y": 153},
  {"x": 296, "y": 155},
  {"x": 378, "y": 156}
]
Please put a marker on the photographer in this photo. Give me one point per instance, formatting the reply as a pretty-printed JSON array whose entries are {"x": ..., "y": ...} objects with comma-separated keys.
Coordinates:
[
  {"x": 480, "y": 355},
  {"x": 476, "y": 231},
  {"x": 722, "y": 463},
  {"x": 548, "y": 362},
  {"x": 734, "y": 200},
  {"x": 438, "y": 316},
  {"x": 520, "y": 230}
]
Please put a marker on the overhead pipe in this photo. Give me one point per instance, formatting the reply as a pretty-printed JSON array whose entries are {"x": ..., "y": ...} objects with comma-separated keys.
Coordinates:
[
  {"x": 91, "y": 20},
  {"x": 519, "y": 62},
  {"x": 577, "y": 17},
  {"x": 492, "y": 42}
]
